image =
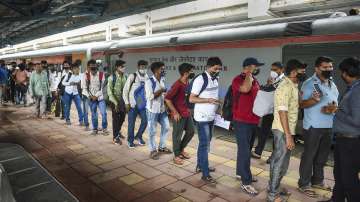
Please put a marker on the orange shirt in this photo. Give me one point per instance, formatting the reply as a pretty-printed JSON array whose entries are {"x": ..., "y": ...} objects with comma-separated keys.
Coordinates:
[{"x": 21, "y": 77}]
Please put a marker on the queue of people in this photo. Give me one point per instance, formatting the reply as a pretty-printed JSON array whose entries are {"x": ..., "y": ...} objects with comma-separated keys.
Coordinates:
[{"x": 193, "y": 102}]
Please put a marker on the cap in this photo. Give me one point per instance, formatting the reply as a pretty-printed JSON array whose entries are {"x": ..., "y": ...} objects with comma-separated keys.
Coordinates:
[{"x": 252, "y": 61}]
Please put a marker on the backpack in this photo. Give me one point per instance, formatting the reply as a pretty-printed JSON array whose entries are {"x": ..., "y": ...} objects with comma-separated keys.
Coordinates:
[
  {"x": 227, "y": 106},
  {"x": 189, "y": 88},
  {"x": 61, "y": 87},
  {"x": 105, "y": 93},
  {"x": 101, "y": 78}
]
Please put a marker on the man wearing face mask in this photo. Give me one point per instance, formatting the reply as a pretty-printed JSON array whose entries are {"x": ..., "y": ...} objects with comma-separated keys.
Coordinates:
[
  {"x": 61, "y": 89},
  {"x": 286, "y": 110},
  {"x": 244, "y": 89},
  {"x": 319, "y": 97},
  {"x": 155, "y": 109},
  {"x": 347, "y": 132},
  {"x": 133, "y": 82},
  {"x": 206, "y": 104},
  {"x": 115, "y": 86},
  {"x": 276, "y": 76},
  {"x": 175, "y": 100}
]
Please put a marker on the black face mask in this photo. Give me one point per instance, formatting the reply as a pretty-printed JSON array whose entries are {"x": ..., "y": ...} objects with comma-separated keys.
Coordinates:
[
  {"x": 326, "y": 74},
  {"x": 93, "y": 68},
  {"x": 256, "y": 72},
  {"x": 162, "y": 73},
  {"x": 191, "y": 75},
  {"x": 301, "y": 77},
  {"x": 214, "y": 75}
]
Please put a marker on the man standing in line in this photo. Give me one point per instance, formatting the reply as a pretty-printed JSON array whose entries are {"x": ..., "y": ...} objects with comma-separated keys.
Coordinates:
[
  {"x": 21, "y": 84},
  {"x": 39, "y": 90},
  {"x": 286, "y": 109},
  {"x": 61, "y": 89},
  {"x": 244, "y": 89},
  {"x": 347, "y": 133},
  {"x": 155, "y": 107},
  {"x": 115, "y": 86},
  {"x": 319, "y": 96},
  {"x": 206, "y": 105},
  {"x": 94, "y": 81},
  {"x": 183, "y": 121},
  {"x": 135, "y": 82},
  {"x": 85, "y": 99}
]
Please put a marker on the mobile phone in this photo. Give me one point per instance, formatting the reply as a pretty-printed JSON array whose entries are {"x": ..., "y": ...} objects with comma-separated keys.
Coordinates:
[{"x": 317, "y": 89}]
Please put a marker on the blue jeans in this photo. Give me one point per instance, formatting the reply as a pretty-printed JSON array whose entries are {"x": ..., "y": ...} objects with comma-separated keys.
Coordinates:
[
  {"x": 245, "y": 135},
  {"x": 85, "y": 107},
  {"x": 205, "y": 132},
  {"x": 133, "y": 112},
  {"x": 153, "y": 119},
  {"x": 68, "y": 98},
  {"x": 94, "y": 115}
]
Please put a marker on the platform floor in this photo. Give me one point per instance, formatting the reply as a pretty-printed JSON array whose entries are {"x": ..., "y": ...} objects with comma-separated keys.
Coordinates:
[{"x": 95, "y": 170}]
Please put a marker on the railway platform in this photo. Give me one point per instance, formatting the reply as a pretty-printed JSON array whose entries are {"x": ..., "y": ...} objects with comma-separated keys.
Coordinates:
[{"x": 95, "y": 170}]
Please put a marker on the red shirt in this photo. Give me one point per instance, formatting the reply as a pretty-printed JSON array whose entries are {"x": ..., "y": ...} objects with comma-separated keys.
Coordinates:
[
  {"x": 243, "y": 102},
  {"x": 177, "y": 96}
]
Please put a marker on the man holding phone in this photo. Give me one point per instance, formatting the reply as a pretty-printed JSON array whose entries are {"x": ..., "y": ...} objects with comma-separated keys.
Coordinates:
[{"x": 319, "y": 97}]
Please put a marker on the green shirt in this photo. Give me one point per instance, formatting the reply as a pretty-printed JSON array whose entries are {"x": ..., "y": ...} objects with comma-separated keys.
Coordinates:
[
  {"x": 39, "y": 84},
  {"x": 115, "y": 90}
]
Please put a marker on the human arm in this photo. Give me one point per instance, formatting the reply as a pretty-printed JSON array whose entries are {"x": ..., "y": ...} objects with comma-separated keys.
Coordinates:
[
  {"x": 352, "y": 118},
  {"x": 309, "y": 97},
  {"x": 195, "y": 92},
  {"x": 246, "y": 84},
  {"x": 110, "y": 91},
  {"x": 168, "y": 100}
]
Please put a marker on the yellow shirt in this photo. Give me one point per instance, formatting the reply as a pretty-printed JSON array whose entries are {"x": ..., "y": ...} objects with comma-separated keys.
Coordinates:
[{"x": 286, "y": 98}]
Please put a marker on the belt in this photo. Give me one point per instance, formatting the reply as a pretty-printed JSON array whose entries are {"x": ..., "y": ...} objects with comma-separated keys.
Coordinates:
[{"x": 341, "y": 135}]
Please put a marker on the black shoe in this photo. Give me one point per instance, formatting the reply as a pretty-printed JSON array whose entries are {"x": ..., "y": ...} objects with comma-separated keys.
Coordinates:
[
  {"x": 268, "y": 161},
  {"x": 208, "y": 179},
  {"x": 198, "y": 170},
  {"x": 154, "y": 155},
  {"x": 165, "y": 150},
  {"x": 255, "y": 155}
]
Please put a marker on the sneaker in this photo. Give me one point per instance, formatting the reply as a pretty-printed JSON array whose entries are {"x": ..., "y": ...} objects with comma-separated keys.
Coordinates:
[
  {"x": 154, "y": 155},
  {"x": 131, "y": 145},
  {"x": 94, "y": 132},
  {"x": 140, "y": 141},
  {"x": 255, "y": 155},
  {"x": 117, "y": 141},
  {"x": 165, "y": 150},
  {"x": 68, "y": 123},
  {"x": 198, "y": 170},
  {"x": 254, "y": 180},
  {"x": 208, "y": 179},
  {"x": 249, "y": 190},
  {"x": 268, "y": 161},
  {"x": 105, "y": 132}
]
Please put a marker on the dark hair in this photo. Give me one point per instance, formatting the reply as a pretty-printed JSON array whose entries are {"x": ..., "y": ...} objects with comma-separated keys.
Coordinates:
[
  {"x": 75, "y": 65},
  {"x": 322, "y": 59},
  {"x": 354, "y": 11},
  {"x": 91, "y": 62},
  {"x": 119, "y": 63},
  {"x": 2, "y": 62},
  {"x": 43, "y": 62},
  {"x": 278, "y": 65},
  {"x": 22, "y": 66},
  {"x": 142, "y": 62},
  {"x": 67, "y": 62},
  {"x": 212, "y": 61},
  {"x": 78, "y": 62},
  {"x": 351, "y": 66},
  {"x": 292, "y": 65},
  {"x": 185, "y": 67},
  {"x": 156, "y": 65}
]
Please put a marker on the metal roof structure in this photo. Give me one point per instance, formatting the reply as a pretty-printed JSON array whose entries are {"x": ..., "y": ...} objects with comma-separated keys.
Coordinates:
[{"x": 23, "y": 20}]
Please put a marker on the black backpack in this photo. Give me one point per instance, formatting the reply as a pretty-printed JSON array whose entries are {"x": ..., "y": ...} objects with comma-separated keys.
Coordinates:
[
  {"x": 227, "y": 106},
  {"x": 189, "y": 88},
  {"x": 61, "y": 87}
]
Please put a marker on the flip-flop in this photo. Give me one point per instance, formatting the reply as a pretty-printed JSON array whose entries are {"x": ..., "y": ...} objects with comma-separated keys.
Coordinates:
[
  {"x": 249, "y": 190},
  {"x": 308, "y": 192}
]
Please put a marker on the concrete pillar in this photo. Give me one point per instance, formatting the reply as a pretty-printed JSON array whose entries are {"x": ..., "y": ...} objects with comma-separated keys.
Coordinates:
[
  {"x": 108, "y": 33},
  {"x": 87, "y": 58}
]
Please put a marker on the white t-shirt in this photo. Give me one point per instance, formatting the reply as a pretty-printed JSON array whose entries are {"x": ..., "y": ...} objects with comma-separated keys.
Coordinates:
[{"x": 205, "y": 112}]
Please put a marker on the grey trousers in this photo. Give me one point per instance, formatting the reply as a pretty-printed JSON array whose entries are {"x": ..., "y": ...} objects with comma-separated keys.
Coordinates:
[
  {"x": 317, "y": 143},
  {"x": 279, "y": 164},
  {"x": 40, "y": 105}
]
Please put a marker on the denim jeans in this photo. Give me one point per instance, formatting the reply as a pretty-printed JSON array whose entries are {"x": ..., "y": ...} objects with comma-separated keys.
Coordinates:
[
  {"x": 94, "y": 114},
  {"x": 245, "y": 136},
  {"x": 133, "y": 112},
  {"x": 153, "y": 119},
  {"x": 20, "y": 93},
  {"x": 205, "y": 132},
  {"x": 68, "y": 98},
  {"x": 279, "y": 164},
  {"x": 40, "y": 105},
  {"x": 85, "y": 108}
]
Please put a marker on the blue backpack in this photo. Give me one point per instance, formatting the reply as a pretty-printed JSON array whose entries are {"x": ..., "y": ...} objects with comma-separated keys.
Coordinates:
[
  {"x": 189, "y": 88},
  {"x": 139, "y": 95}
]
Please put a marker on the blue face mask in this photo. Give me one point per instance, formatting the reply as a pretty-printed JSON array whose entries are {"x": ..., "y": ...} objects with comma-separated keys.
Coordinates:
[{"x": 163, "y": 73}]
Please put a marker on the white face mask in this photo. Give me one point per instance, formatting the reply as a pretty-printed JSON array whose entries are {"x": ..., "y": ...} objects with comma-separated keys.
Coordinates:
[
  {"x": 123, "y": 69},
  {"x": 273, "y": 75},
  {"x": 142, "y": 71}
]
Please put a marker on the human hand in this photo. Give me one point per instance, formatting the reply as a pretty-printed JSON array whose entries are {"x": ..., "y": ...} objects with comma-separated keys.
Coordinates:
[
  {"x": 176, "y": 116},
  {"x": 213, "y": 101},
  {"x": 316, "y": 96},
  {"x": 290, "y": 144}
]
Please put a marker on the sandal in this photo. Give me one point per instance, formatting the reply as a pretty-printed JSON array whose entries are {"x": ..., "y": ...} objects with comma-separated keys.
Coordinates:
[
  {"x": 249, "y": 190},
  {"x": 322, "y": 187},
  {"x": 184, "y": 155},
  {"x": 308, "y": 192},
  {"x": 178, "y": 160}
]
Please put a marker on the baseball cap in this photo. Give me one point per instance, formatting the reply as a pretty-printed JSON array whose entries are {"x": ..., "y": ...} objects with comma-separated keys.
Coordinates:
[{"x": 252, "y": 61}]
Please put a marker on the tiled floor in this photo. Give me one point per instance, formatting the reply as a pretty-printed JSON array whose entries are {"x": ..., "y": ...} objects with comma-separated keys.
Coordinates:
[{"x": 95, "y": 170}]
